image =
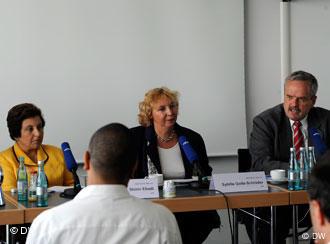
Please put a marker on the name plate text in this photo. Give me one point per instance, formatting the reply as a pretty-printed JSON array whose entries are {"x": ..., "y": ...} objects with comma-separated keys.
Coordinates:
[
  {"x": 143, "y": 188},
  {"x": 240, "y": 182}
]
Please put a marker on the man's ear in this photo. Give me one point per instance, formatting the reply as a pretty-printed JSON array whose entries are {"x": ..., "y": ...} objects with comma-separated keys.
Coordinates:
[
  {"x": 87, "y": 160},
  {"x": 318, "y": 217}
]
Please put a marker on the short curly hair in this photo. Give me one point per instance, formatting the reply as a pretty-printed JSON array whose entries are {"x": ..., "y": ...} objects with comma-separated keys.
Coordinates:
[
  {"x": 153, "y": 95},
  {"x": 17, "y": 114}
]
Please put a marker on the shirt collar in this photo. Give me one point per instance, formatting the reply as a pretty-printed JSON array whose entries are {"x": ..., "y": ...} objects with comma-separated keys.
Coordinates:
[
  {"x": 303, "y": 123},
  {"x": 106, "y": 190}
]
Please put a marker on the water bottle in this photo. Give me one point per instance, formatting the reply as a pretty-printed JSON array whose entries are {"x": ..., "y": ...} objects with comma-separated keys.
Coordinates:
[
  {"x": 151, "y": 167},
  {"x": 293, "y": 179},
  {"x": 33, "y": 187},
  {"x": 311, "y": 158},
  {"x": 42, "y": 194},
  {"x": 22, "y": 181},
  {"x": 304, "y": 168}
]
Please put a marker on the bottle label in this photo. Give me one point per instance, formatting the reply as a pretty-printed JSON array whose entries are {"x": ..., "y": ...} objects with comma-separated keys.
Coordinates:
[
  {"x": 22, "y": 191},
  {"x": 41, "y": 191},
  {"x": 21, "y": 186},
  {"x": 32, "y": 196},
  {"x": 292, "y": 175}
]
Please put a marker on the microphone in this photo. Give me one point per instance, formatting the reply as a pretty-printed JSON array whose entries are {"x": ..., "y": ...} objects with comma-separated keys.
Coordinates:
[
  {"x": 320, "y": 146},
  {"x": 72, "y": 166},
  {"x": 194, "y": 161},
  {"x": 188, "y": 150}
]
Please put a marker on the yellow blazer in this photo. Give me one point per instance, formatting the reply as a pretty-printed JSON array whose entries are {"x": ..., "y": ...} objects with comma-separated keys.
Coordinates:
[{"x": 55, "y": 167}]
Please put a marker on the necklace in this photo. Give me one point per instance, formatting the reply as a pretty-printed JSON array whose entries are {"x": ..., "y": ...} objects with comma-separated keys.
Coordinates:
[
  {"x": 47, "y": 157},
  {"x": 167, "y": 139}
]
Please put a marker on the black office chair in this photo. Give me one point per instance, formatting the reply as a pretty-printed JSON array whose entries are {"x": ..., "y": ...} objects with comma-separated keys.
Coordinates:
[{"x": 244, "y": 160}]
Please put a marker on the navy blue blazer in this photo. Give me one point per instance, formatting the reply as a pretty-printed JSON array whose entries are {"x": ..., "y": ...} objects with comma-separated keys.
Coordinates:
[
  {"x": 145, "y": 139},
  {"x": 146, "y": 143}
]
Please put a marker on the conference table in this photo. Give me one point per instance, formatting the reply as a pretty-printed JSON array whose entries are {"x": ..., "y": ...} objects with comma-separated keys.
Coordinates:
[
  {"x": 296, "y": 198},
  {"x": 187, "y": 199},
  {"x": 11, "y": 213}
]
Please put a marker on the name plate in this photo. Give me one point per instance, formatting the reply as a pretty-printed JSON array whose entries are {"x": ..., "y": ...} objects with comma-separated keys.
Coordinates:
[
  {"x": 239, "y": 182},
  {"x": 143, "y": 188}
]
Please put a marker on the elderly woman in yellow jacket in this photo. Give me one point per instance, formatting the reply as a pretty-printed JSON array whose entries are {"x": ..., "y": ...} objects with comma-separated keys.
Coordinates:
[{"x": 26, "y": 127}]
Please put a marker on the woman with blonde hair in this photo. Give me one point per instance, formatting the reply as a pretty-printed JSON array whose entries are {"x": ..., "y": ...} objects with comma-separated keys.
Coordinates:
[{"x": 157, "y": 140}]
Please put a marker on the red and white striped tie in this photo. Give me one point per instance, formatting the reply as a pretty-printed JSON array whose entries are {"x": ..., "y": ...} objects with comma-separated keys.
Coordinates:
[{"x": 298, "y": 138}]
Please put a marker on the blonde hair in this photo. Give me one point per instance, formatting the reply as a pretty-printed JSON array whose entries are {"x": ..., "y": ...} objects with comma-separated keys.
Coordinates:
[{"x": 153, "y": 95}]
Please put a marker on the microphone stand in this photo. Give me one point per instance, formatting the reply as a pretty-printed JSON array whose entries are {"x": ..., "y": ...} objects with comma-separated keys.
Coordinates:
[
  {"x": 72, "y": 192},
  {"x": 202, "y": 181}
]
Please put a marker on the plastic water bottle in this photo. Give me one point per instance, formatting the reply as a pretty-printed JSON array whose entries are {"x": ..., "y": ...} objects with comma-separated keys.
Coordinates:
[
  {"x": 311, "y": 158},
  {"x": 311, "y": 161},
  {"x": 33, "y": 187},
  {"x": 22, "y": 181},
  {"x": 293, "y": 179},
  {"x": 151, "y": 167},
  {"x": 42, "y": 194},
  {"x": 304, "y": 168}
]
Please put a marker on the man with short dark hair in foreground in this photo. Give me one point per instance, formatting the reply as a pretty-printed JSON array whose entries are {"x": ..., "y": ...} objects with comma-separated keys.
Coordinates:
[
  {"x": 319, "y": 202},
  {"x": 104, "y": 211}
]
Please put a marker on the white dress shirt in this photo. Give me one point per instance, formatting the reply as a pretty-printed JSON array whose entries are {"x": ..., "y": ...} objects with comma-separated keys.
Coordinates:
[{"x": 105, "y": 214}]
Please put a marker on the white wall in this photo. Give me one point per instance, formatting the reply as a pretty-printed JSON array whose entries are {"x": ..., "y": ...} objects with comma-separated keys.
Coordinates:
[
  {"x": 87, "y": 63},
  {"x": 310, "y": 42},
  {"x": 262, "y": 56},
  {"x": 311, "y": 39}
]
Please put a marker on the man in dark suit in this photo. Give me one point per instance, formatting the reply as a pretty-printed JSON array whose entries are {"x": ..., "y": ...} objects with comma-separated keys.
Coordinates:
[{"x": 272, "y": 136}]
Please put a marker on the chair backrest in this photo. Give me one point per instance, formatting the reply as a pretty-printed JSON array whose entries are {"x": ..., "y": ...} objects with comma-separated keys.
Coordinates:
[{"x": 244, "y": 160}]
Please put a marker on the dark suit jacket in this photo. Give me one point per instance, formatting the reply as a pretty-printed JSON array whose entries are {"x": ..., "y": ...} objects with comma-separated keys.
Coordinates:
[
  {"x": 194, "y": 226},
  {"x": 271, "y": 136},
  {"x": 146, "y": 142}
]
